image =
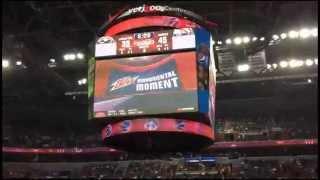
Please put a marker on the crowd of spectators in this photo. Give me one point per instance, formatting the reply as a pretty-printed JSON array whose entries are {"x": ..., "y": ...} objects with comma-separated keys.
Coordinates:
[
  {"x": 304, "y": 167},
  {"x": 227, "y": 129},
  {"x": 266, "y": 128},
  {"x": 26, "y": 138}
]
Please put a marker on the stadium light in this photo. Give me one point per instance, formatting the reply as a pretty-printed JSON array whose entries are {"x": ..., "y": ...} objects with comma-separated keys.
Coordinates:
[
  {"x": 229, "y": 41},
  {"x": 283, "y": 64},
  {"x": 80, "y": 56},
  {"x": 304, "y": 33},
  {"x": 314, "y": 32},
  {"x": 274, "y": 65},
  {"x": 66, "y": 57},
  {"x": 293, "y": 34},
  {"x": 275, "y": 37},
  {"x": 246, "y": 39},
  {"x": 309, "y": 62},
  {"x": 283, "y": 35},
  {"x": 243, "y": 67},
  {"x": 237, "y": 40},
  {"x": 316, "y": 61},
  {"x": 309, "y": 80},
  {"x": 69, "y": 57},
  {"x": 219, "y": 42},
  {"x": 72, "y": 57},
  {"x": 5, "y": 63},
  {"x": 52, "y": 60},
  {"x": 262, "y": 39},
  {"x": 268, "y": 66},
  {"x": 18, "y": 63},
  {"x": 254, "y": 39},
  {"x": 82, "y": 81},
  {"x": 295, "y": 63}
]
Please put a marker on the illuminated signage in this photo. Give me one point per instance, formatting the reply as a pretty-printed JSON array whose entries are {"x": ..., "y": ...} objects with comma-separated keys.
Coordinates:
[{"x": 146, "y": 42}]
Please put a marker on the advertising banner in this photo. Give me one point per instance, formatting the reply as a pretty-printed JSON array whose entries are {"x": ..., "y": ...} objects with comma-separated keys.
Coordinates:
[{"x": 145, "y": 85}]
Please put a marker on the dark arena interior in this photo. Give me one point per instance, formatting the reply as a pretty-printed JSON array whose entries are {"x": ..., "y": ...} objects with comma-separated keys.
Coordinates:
[{"x": 160, "y": 89}]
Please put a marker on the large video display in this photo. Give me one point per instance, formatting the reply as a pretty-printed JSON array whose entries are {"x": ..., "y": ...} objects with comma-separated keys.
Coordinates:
[{"x": 146, "y": 85}]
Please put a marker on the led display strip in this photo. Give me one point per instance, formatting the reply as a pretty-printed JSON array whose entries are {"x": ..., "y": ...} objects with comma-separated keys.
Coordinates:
[
  {"x": 146, "y": 42},
  {"x": 152, "y": 10}
]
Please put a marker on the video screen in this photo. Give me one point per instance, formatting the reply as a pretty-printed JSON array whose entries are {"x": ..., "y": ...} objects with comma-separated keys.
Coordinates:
[{"x": 146, "y": 85}]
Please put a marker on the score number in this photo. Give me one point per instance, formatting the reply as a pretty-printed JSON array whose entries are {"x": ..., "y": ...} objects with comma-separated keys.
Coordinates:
[{"x": 126, "y": 44}]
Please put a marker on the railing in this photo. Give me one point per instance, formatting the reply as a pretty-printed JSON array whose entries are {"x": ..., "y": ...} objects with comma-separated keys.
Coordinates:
[{"x": 217, "y": 145}]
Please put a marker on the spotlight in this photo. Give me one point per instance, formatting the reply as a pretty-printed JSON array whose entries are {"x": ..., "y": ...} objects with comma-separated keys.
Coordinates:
[
  {"x": 18, "y": 63},
  {"x": 72, "y": 57},
  {"x": 84, "y": 80},
  {"x": 295, "y": 63},
  {"x": 268, "y": 66},
  {"x": 80, "y": 56},
  {"x": 262, "y": 39},
  {"x": 316, "y": 61},
  {"x": 283, "y": 64},
  {"x": 254, "y": 39},
  {"x": 5, "y": 63},
  {"x": 219, "y": 42},
  {"x": 243, "y": 67},
  {"x": 274, "y": 66},
  {"x": 309, "y": 80},
  {"x": 314, "y": 32},
  {"x": 228, "y": 41},
  {"x": 283, "y": 35},
  {"x": 52, "y": 60},
  {"x": 246, "y": 39},
  {"x": 309, "y": 62},
  {"x": 304, "y": 33},
  {"x": 237, "y": 40},
  {"x": 66, "y": 57},
  {"x": 275, "y": 37},
  {"x": 293, "y": 34}
]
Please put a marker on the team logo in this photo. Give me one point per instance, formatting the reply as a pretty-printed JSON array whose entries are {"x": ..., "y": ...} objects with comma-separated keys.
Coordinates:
[
  {"x": 125, "y": 125},
  {"x": 108, "y": 130},
  {"x": 180, "y": 124},
  {"x": 182, "y": 32},
  {"x": 123, "y": 82},
  {"x": 105, "y": 40},
  {"x": 151, "y": 124}
]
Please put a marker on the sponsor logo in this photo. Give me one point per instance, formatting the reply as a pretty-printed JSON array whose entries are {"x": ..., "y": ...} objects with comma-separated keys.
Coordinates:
[
  {"x": 125, "y": 126},
  {"x": 108, "y": 130},
  {"x": 105, "y": 39},
  {"x": 158, "y": 8},
  {"x": 123, "y": 82},
  {"x": 151, "y": 124},
  {"x": 180, "y": 124}
]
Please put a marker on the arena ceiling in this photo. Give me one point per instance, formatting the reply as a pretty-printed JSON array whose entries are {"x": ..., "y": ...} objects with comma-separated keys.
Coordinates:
[
  {"x": 49, "y": 29},
  {"x": 35, "y": 31}
]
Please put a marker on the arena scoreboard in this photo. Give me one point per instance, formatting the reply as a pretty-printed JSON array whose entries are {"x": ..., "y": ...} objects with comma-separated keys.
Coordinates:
[
  {"x": 129, "y": 82},
  {"x": 145, "y": 42}
]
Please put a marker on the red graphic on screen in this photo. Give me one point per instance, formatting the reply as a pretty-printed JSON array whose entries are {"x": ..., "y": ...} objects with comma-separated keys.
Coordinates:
[
  {"x": 146, "y": 85},
  {"x": 140, "y": 22}
]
